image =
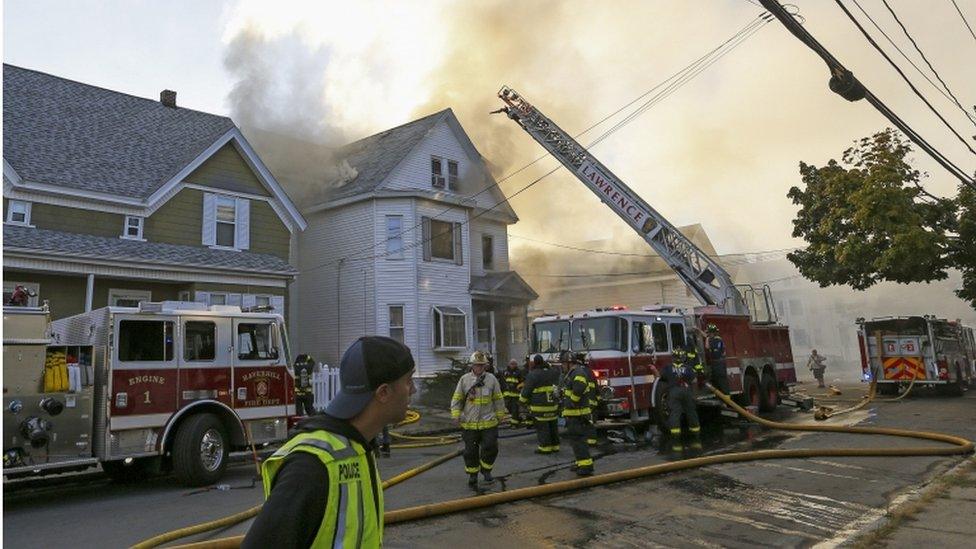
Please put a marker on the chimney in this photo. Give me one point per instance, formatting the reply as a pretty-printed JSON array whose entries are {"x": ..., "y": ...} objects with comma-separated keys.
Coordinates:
[{"x": 168, "y": 98}]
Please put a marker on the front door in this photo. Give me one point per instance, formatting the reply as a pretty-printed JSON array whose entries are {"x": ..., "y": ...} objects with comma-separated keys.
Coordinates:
[{"x": 485, "y": 331}]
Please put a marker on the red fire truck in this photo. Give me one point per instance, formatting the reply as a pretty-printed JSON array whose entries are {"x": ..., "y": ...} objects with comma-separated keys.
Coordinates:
[
  {"x": 169, "y": 384},
  {"x": 759, "y": 356},
  {"x": 932, "y": 351}
]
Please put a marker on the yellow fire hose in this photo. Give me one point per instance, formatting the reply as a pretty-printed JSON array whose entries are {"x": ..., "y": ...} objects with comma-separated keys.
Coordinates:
[
  {"x": 825, "y": 412},
  {"x": 957, "y": 445}
]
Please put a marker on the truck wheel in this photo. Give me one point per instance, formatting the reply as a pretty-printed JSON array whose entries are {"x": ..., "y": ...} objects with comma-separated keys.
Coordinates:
[
  {"x": 134, "y": 471},
  {"x": 662, "y": 411},
  {"x": 750, "y": 390},
  {"x": 956, "y": 388},
  {"x": 768, "y": 393},
  {"x": 200, "y": 450}
]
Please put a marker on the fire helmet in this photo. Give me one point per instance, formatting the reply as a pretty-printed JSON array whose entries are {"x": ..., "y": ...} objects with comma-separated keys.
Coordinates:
[
  {"x": 679, "y": 354},
  {"x": 712, "y": 329},
  {"x": 478, "y": 357}
]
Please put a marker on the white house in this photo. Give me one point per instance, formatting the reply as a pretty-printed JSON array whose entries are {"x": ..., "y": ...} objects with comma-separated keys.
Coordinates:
[{"x": 407, "y": 247}]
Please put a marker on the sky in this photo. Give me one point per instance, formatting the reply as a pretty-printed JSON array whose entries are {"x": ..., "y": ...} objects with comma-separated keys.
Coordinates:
[{"x": 723, "y": 150}]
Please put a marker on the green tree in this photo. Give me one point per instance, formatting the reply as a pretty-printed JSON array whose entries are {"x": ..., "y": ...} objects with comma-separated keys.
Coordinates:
[{"x": 867, "y": 219}]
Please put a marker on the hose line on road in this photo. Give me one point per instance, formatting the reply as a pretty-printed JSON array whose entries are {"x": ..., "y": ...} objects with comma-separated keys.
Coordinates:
[
  {"x": 956, "y": 446},
  {"x": 825, "y": 412}
]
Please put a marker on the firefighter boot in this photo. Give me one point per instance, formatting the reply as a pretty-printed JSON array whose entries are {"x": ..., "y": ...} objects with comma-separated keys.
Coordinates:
[
  {"x": 472, "y": 479},
  {"x": 487, "y": 475}
]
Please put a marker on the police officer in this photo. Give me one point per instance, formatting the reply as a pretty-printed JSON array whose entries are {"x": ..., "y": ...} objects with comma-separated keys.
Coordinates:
[
  {"x": 679, "y": 378},
  {"x": 576, "y": 409},
  {"x": 511, "y": 381},
  {"x": 715, "y": 353},
  {"x": 322, "y": 486},
  {"x": 477, "y": 406},
  {"x": 538, "y": 393},
  {"x": 304, "y": 397}
]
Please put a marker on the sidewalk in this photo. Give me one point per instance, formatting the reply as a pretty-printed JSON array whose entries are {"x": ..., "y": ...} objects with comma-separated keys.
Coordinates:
[{"x": 942, "y": 515}]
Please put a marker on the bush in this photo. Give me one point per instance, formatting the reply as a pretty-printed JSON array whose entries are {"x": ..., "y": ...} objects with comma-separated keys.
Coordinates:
[{"x": 436, "y": 391}]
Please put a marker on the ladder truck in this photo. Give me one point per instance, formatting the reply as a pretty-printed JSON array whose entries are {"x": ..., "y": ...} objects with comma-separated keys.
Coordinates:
[{"x": 759, "y": 358}]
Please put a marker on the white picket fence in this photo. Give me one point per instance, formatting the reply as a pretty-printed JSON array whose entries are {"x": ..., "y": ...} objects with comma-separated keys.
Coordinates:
[{"x": 325, "y": 385}]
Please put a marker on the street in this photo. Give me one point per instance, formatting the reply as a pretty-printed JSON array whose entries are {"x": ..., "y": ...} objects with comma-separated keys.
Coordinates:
[{"x": 788, "y": 503}]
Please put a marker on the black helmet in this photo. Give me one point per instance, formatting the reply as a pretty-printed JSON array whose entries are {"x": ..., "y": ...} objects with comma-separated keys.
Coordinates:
[
  {"x": 566, "y": 357},
  {"x": 538, "y": 362},
  {"x": 304, "y": 359}
]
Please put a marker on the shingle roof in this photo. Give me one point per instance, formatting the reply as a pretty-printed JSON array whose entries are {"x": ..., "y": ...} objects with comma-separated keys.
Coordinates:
[
  {"x": 154, "y": 253},
  {"x": 65, "y": 133},
  {"x": 504, "y": 284}
]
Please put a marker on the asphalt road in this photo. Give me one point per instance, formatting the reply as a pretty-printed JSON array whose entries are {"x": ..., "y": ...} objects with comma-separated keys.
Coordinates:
[{"x": 787, "y": 503}]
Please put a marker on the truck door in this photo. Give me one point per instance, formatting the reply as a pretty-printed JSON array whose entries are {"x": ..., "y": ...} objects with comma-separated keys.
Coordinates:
[
  {"x": 260, "y": 370},
  {"x": 205, "y": 360},
  {"x": 143, "y": 383}
]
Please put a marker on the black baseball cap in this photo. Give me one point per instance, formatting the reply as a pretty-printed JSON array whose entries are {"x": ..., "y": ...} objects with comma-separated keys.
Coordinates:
[{"x": 368, "y": 363}]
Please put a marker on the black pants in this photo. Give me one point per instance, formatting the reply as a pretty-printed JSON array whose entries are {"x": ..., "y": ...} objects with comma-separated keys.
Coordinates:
[
  {"x": 578, "y": 429},
  {"x": 512, "y": 405},
  {"x": 480, "y": 449},
  {"x": 720, "y": 376},
  {"x": 682, "y": 401},
  {"x": 548, "y": 432},
  {"x": 303, "y": 404}
]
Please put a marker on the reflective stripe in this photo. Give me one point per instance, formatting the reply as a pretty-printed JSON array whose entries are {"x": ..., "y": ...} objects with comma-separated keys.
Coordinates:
[
  {"x": 496, "y": 396},
  {"x": 510, "y": 394},
  {"x": 338, "y": 455},
  {"x": 694, "y": 429},
  {"x": 544, "y": 389},
  {"x": 338, "y": 539},
  {"x": 457, "y": 397},
  {"x": 576, "y": 412},
  {"x": 676, "y": 431},
  {"x": 479, "y": 425},
  {"x": 480, "y": 400},
  {"x": 573, "y": 397},
  {"x": 584, "y": 462},
  {"x": 549, "y": 408},
  {"x": 471, "y": 470},
  {"x": 486, "y": 466},
  {"x": 580, "y": 378}
]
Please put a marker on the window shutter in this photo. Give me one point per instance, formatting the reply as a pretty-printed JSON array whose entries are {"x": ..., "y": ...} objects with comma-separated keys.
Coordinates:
[
  {"x": 209, "y": 221},
  {"x": 243, "y": 223},
  {"x": 278, "y": 302},
  {"x": 425, "y": 235},
  {"x": 458, "y": 245},
  {"x": 203, "y": 297},
  {"x": 248, "y": 301}
]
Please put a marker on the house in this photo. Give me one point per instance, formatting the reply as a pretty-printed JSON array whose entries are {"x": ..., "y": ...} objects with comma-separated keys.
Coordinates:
[
  {"x": 412, "y": 243},
  {"x": 110, "y": 199}
]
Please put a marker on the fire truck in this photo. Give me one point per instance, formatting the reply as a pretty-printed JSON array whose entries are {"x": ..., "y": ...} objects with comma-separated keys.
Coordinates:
[
  {"x": 166, "y": 385},
  {"x": 625, "y": 349},
  {"x": 931, "y": 351}
]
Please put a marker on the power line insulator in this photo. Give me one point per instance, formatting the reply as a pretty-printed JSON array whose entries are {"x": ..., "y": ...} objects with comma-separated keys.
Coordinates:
[{"x": 844, "y": 84}]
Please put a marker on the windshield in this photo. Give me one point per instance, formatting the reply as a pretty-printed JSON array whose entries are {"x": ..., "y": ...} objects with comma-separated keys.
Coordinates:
[
  {"x": 600, "y": 334},
  {"x": 550, "y": 337}
]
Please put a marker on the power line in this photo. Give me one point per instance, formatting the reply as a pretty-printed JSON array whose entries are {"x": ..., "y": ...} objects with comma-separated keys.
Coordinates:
[
  {"x": 964, "y": 19},
  {"x": 902, "y": 74},
  {"x": 693, "y": 70},
  {"x": 912, "y": 63},
  {"x": 924, "y": 58}
]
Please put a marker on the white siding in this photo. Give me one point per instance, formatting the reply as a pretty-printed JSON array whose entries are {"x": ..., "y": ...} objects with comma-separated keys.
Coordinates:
[
  {"x": 326, "y": 326},
  {"x": 396, "y": 279},
  {"x": 499, "y": 233}
]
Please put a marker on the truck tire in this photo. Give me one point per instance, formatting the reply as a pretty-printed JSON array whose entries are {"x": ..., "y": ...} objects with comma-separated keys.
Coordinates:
[
  {"x": 768, "y": 393},
  {"x": 956, "y": 388},
  {"x": 750, "y": 390},
  {"x": 136, "y": 470},
  {"x": 200, "y": 450}
]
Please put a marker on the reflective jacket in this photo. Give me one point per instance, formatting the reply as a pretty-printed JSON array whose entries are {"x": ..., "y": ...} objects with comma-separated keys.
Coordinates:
[
  {"x": 354, "y": 510},
  {"x": 694, "y": 362},
  {"x": 303, "y": 379},
  {"x": 538, "y": 391},
  {"x": 478, "y": 401},
  {"x": 715, "y": 349},
  {"x": 576, "y": 392},
  {"x": 512, "y": 382},
  {"x": 677, "y": 375}
]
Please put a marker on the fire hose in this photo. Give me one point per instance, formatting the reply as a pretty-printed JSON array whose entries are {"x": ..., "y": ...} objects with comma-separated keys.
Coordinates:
[
  {"x": 824, "y": 412},
  {"x": 956, "y": 446}
]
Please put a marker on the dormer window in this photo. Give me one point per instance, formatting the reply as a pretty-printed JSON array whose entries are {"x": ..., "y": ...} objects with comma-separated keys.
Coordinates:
[
  {"x": 19, "y": 212},
  {"x": 437, "y": 173},
  {"x": 133, "y": 227}
]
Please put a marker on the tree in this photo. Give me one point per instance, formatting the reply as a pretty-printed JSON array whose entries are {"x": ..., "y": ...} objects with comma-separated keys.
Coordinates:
[{"x": 868, "y": 219}]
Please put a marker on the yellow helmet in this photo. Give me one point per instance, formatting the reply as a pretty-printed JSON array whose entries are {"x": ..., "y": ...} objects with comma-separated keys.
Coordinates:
[{"x": 478, "y": 357}]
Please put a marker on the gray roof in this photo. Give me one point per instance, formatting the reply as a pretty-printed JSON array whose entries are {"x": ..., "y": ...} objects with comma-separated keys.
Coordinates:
[
  {"x": 507, "y": 285},
  {"x": 153, "y": 253},
  {"x": 81, "y": 137},
  {"x": 374, "y": 157}
]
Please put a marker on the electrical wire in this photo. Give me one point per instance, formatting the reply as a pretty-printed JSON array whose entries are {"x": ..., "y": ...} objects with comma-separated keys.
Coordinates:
[
  {"x": 686, "y": 74},
  {"x": 952, "y": 98},
  {"x": 963, "y": 17},
  {"x": 901, "y": 73}
]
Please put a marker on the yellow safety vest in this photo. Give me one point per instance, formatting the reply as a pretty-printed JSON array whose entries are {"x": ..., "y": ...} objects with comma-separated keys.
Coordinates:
[{"x": 354, "y": 509}]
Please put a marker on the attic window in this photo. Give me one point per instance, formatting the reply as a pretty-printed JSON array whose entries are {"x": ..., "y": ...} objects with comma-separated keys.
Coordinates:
[
  {"x": 436, "y": 173},
  {"x": 133, "y": 227},
  {"x": 19, "y": 212},
  {"x": 452, "y": 175}
]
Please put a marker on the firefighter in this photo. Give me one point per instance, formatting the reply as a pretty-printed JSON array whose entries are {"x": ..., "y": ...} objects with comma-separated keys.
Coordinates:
[
  {"x": 576, "y": 410},
  {"x": 715, "y": 353},
  {"x": 679, "y": 378},
  {"x": 511, "y": 380},
  {"x": 477, "y": 406},
  {"x": 538, "y": 393},
  {"x": 693, "y": 361},
  {"x": 304, "y": 396},
  {"x": 322, "y": 486}
]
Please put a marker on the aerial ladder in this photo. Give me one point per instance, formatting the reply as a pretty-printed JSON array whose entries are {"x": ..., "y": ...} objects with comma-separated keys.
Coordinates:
[{"x": 705, "y": 278}]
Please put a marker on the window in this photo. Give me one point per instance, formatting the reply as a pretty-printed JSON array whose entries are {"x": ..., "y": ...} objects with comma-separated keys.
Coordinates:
[
  {"x": 660, "y": 333},
  {"x": 145, "y": 341},
  {"x": 128, "y": 298},
  {"x": 550, "y": 337},
  {"x": 218, "y": 299},
  {"x": 436, "y": 173},
  {"x": 442, "y": 240},
  {"x": 262, "y": 300},
  {"x": 29, "y": 291},
  {"x": 600, "y": 334},
  {"x": 396, "y": 322},
  {"x": 199, "y": 340},
  {"x": 226, "y": 222},
  {"x": 18, "y": 212},
  {"x": 133, "y": 227},
  {"x": 487, "y": 252},
  {"x": 450, "y": 328},
  {"x": 452, "y": 175},
  {"x": 394, "y": 237},
  {"x": 482, "y": 323},
  {"x": 677, "y": 335},
  {"x": 256, "y": 341}
]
